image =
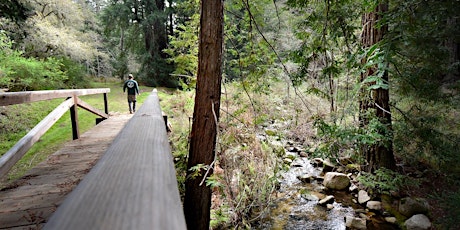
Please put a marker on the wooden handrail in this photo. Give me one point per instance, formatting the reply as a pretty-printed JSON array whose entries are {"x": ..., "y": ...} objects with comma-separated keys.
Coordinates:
[
  {"x": 12, "y": 98},
  {"x": 133, "y": 185},
  {"x": 10, "y": 158}
]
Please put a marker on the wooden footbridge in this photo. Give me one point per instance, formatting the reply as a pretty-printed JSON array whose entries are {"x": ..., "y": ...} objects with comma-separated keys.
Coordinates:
[{"x": 118, "y": 175}]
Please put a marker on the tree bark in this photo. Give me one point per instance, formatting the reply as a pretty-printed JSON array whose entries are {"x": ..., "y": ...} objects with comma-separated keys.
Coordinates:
[
  {"x": 197, "y": 202},
  {"x": 380, "y": 154}
]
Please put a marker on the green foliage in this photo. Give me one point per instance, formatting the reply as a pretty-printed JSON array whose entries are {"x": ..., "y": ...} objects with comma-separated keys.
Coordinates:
[
  {"x": 328, "y": 48},
  {"x": 14, "y": 10},
  {"x": 385, "y": 181},
  {"x": 422, "y": 42},
  {"x": 425, "y": 81},
  {"x": 375, "y": 58},
  {"x": 137, "y": 35},
  {"x": 248, "y": 56},
  {"x": 19, "y": 73},
  {"x": 336, "y": 138},
  {"x": 219, "y": 216},
  {"x": 198, "y": 170},
  {"x": 213, "y": 181},
  {"x": 428, "y": 133},
  {"x": 77, "y": 78},
  {"x": 183, "y": 49}
]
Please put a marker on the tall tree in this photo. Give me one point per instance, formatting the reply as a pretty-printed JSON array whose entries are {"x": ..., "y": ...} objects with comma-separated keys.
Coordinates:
[
  {"x": 154, "y": 18},
  {"x": 374, "y": 101},
  {"x": 197, "y": 203},
  {"x": 424, "y": 38},
  {"x": 140, "y": 28}
]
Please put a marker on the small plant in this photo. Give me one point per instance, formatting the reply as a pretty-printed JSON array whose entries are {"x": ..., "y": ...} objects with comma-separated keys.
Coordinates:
[{"x": 219, "y": 216}]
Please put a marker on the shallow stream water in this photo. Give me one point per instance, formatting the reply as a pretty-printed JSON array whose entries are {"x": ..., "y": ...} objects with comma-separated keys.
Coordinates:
[{"x": 296, "y": 205}]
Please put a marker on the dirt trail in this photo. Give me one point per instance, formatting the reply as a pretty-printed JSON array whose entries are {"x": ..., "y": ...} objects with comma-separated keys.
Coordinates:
[{"x": 28, "y": 202}]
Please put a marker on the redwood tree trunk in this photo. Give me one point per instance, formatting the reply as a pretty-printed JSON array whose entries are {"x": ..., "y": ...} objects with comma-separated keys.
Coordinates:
[
  {"x": 380, "y": 154},
  {"x": 156, "y": 40},
  {"x": 197, "y": 202}
]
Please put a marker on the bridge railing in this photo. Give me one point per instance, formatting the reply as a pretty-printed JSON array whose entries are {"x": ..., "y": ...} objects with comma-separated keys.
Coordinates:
[
  {"x": 133, "y": 185},
  {"x": 10, "y": 158}
]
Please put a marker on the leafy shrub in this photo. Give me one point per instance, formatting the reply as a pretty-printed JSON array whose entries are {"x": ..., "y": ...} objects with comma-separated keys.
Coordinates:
[
  {"x": 336, "y": 139},
  {"x": 384, "y": 181},
  {"x": 20, "y": 73}
]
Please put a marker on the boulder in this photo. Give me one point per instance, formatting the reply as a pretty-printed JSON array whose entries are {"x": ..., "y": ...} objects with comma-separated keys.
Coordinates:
[
  {"x": 374, "y": 205},
  {"x": 410, "y": 206},
  {"x": 391, "y": 219},
  {"x": 303, "y": 154},
  {"x": 353, "y": 188},
  {"x": 326, "y": 200},
  {"x": 355, "y": 223},
  {"x": 363, "y": 197},
  {"x": 336, "y": 181},
  {"x": 418, "y": 222},
  {"x": 311, "y": 197}
]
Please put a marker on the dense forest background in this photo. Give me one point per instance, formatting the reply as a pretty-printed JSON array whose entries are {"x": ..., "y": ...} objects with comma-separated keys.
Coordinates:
[{"x": 315, "y": 56}]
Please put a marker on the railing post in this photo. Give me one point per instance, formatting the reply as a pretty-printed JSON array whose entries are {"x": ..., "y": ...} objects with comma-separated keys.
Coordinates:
[
  {"x": 74, "y": 119},
  {"x": 106, "y": 106}
]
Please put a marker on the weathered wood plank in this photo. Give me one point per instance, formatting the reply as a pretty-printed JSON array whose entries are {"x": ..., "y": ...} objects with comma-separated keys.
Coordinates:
[
  {"x": 42, "y": 95},
  {"x": 22, "y": 146},
  {"x": 91, "y": 109},
  {"x": 133, "y": 186},
  {"x": 27, "y": 219}
]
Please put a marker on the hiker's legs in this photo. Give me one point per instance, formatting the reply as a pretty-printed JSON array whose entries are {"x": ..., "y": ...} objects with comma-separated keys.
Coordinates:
[{"x": 132, "y": 99}]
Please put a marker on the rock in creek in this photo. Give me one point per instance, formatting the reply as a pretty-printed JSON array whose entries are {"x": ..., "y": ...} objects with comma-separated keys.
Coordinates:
[
  {"x": 355, "y": 223},
  {"x": 363, "y": 197},
  {"x": 326, "y": 200},
  {"x": 336, "y": 181},
  {"x": 410, "y": 206},
  {"x": 418, "y": 222}
]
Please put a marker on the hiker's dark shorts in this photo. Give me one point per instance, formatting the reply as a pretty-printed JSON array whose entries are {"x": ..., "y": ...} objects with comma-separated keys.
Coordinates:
[{"x": 131, "y": 98}]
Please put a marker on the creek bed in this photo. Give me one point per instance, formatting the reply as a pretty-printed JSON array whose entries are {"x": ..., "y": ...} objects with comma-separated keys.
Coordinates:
[{"x": 296, "y": 204}]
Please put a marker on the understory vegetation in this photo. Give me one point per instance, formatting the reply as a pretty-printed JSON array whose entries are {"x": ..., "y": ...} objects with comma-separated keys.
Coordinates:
[{"x": 253, "y": 131}]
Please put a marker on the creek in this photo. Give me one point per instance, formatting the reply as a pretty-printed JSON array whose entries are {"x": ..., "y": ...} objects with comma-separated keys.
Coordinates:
[{"x": 296, "y": 204}]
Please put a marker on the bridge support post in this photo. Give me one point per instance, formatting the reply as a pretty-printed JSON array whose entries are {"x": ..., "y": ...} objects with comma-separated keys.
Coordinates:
[
  {"x": 74, "y": 119},
  {"x": 106, "y": 106}
]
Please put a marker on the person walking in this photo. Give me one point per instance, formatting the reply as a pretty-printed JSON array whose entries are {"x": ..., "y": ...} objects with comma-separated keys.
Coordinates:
[{"x": 133, "y": 91}]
